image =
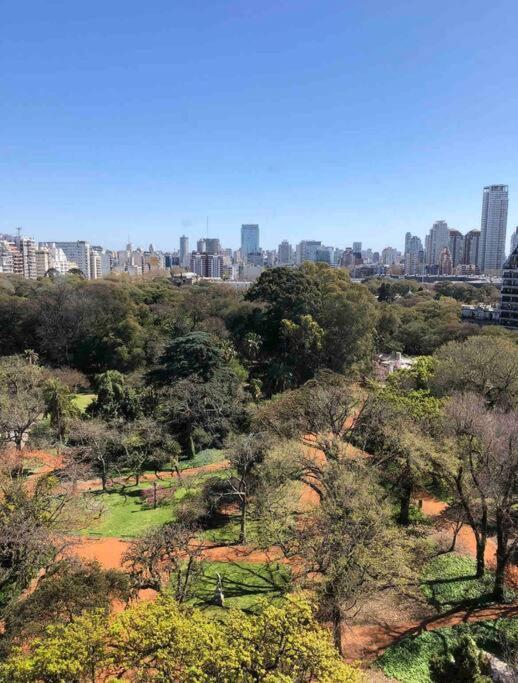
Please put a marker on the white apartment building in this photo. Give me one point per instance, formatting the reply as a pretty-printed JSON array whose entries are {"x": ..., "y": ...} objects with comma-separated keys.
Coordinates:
[{"x": 79, "y": 252}]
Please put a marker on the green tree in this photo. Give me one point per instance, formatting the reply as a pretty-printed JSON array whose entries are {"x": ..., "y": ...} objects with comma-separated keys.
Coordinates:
[
  {"x": 59, "y": 406},
  {"x": 197, "y": 355},
  {"x": 114, "y": 399},
  {"x": 486, "y": 365}
]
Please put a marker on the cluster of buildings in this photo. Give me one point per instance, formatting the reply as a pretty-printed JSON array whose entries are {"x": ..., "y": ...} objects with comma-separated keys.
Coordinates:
[{"x": 446, "y": 252}]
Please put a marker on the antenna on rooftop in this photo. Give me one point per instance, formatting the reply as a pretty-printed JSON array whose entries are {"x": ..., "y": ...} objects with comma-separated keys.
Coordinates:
[{"x": 19, "y": 231}]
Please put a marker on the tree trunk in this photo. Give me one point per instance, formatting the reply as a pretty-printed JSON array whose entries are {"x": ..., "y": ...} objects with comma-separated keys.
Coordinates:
[
  {"x": 103, "y": 480},
  {"x": 404, "y": 501},
  {"x": 191, "y": 446},
  {"x": 337, "y": 628},
  {"x": 481, "y": 554},
  {"x": 242, "y": 528},
  {"x": 501, "y": 559}
]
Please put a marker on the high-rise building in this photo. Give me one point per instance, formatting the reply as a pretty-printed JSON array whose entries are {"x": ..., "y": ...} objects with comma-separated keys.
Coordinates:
[
  {"x": 207, "y": 265},
  {"x": 184, "y": 252},
  {"x": 390, "y": 256},
  {"x": 471, "y": 248},
  {"x": 445, "y": 262},
  {"x": 27, "y": 248},
  {"x": 249, "y": 240},
  {"x": 414, "y": 255},
  {"x": 456, "y": 247},
  {"x": 6, "y": 257},
  {"x": 79, "y": 253},
  {"x": 357, "y": 247},
  {"x": 212, "y": 245},
  {"x": 509, "y": 292},
  {"x": 42, "y": 261},
  {"x": 514, "y": 240},
  {"x": 437, "y": 240},
  {"x": 285, "y": 253},
  {"x": 307, "y": 250},
  {"x": 495, "y": 201}
]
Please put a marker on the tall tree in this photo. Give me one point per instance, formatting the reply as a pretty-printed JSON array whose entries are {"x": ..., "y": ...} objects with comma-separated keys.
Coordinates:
[
  {"x": 21, "y": 398},
  {"x": 59, "y": 406}
]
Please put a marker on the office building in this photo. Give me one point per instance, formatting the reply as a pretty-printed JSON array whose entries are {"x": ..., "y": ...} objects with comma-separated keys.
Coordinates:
[
  {"x": 493, "y": 227},
  {"x": 437, "y": 239},
  {"x": 456, "y": 247},
  {"x": 249, "y": 240},
  {"x": 184, "y": 255},
  {"x": 357, "y": 247},
  {"x": 509, "y": 292},
  {"x": 471, "y": 248},
  {"x": 514, "y": 240},
  {"x": 212, "y": 245},
  {"x": 285, "y": 253}
]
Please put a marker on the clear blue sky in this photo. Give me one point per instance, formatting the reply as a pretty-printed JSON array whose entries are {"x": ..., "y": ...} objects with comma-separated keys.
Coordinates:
[{"x": 337, "y": 120}]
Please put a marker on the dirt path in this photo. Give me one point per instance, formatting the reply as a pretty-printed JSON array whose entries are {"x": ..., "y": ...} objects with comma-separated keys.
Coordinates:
[{"x": 365, "y": 642}]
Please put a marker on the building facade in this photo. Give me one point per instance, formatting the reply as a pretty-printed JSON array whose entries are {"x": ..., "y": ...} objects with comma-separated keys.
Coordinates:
[
  {"x": 493, "y": 227},
  {"x": 509, "y": 292},
  {"x": 249, "y": 240}
]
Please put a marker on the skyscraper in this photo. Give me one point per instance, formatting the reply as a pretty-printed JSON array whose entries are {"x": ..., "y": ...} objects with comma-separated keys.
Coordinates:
[
  {"x": 285, "y": 252},
  {"x": 514, "y": 240},
  {"x": 437, "y": 240},
  {"x": 414, "y": 255},
  {"x": 249, "y": 240},
  {"x": 471, "y": 247},
  {"x": 184, "y": 252},
  {"x": 456, "y": 247},
  {"x": 495, "y": 200},
  {"x": 357, "y": 247}
]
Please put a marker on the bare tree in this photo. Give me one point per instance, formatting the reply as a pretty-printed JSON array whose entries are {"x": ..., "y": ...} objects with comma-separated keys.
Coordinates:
[
  {"x": 485, "y": 476},
  {"x": 169, "y": 552}
]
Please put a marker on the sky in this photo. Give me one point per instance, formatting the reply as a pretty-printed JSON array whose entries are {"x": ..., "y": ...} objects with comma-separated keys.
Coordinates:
[{"x": 336, "y": 120}]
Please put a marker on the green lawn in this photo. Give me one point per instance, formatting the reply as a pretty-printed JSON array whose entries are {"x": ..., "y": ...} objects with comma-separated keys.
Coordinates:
[
  {"x": 206, "y": 457},
  {"x": 244, "y": 583},
  {"x": 127, "y": 515},
  {"x": 409, "y": 659},
  {"x": 449, "y": 580},
  {"x": 82, "y": 401}
]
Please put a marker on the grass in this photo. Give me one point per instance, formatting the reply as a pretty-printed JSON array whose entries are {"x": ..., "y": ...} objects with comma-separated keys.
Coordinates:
[
  {"x": 449, "y": 580},
  {"x": 128, "y": 516},
  {"x": 82, "y": 401},
  {"x": 206, "y": 457},
  {"x": 409, "y": 659},
  {"x": 228, "y": 530},
  {"x": 244, "y": 584}
]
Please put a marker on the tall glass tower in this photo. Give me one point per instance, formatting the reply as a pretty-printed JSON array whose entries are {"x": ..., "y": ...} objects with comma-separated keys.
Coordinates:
[
  {"x": 249, "y": 239},
  {"x": 495, "y": 200}
]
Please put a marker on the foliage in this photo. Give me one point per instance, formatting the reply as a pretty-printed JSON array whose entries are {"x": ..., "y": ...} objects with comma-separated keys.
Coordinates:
[
  {"x": 59, "y": 406},
  {"x": 21, "y": 398},
  {"x": 486, "y": 365},
  {"x": 114, "y": 399},
  {"x": 163, "y": 642},
  {"x": 67, "y": 589},
  {"x": 450, "y": 580},
  {"x": 409, "y": 659}
]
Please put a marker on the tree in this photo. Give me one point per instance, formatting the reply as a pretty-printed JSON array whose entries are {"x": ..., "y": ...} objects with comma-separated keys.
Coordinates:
[
  {"x": 114, "y": 399},
  {"x": 201, "y": 414},
  {"x": 486, "y": 365},
  {"x": 485, "y": 476},
  {"x": 21, "y": 398},
  {"x": 169, "y": 555},
  {"x": 59, "y": 406},
  {"x": 349, "y": 548},
  {"x": 161, "y": 640},
  {"x": 394, "y": 427},
  {"x": 197, "y": 355},
  {"x": 146, "y": 445},
  {"x": 246, "y": 453},
  {"x": 67, "y": 589},
  {"x": 96, "y": 446}
]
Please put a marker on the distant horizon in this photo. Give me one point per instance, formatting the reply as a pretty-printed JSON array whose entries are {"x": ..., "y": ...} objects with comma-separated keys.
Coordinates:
[{"x": 352, "y": 121}]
